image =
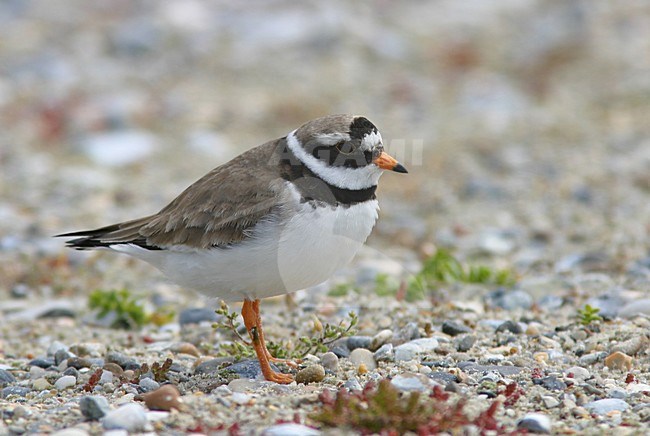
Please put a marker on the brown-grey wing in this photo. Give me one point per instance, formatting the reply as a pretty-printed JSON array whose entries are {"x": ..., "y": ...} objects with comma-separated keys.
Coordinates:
[
  {"x": 213, "y": 212},
  {"x": 217, "y": 210}
]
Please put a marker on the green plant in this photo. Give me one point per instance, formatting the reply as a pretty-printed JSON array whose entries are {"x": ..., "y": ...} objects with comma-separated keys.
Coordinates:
[
  {"x": 441, "y": 268},
  {"x": 385, "y": 285},
  {"x": 127, "y": 310},
  {"x": 445, "y": 268},
  {"x": 342, "y": 289},
  {"x": 129, "y": 314},
  {"x": 588, "y": 315},
  {"x": 384, "y": 409},
  {"x": 324, "y": 334}
]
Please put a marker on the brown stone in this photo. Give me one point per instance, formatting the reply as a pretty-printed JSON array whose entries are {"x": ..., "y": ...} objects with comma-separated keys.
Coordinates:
[
  {"x": 166, "y": 397},
  {"x": 618, "y": 360}
]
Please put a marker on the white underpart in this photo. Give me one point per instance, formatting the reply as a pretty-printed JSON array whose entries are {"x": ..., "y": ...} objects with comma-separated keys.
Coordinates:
[
  {"x": 284, "y": 254},
  {"x": 341, "y": 177}
]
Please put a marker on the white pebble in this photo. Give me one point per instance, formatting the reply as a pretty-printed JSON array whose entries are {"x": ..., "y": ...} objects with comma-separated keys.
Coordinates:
[
  {"x": 535, "y": 423},
  {"x": 602, "y": 407},
  {"x": 406, "y": 352},
  {"x": 131, "y": 417},
  {"x": 411, "y": 382},
  {"x": 65, "y": 382},
  {"x": 579, "y": 373},
  {"x": 290, "y": 429},
  {"x": 361, "y": 355},
  {"x": 107, "y": 377}
]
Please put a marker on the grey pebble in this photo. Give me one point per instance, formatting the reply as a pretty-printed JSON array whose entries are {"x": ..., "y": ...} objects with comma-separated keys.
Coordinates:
[
  {"x": 330, "y": 361},
  {"x": 550, "y": 402},
  {"x": 618, "y": 393},
  {"x": 602, "y": 407},
  {"x": 591, "y": 358},
  {"x": 79, "y": 362},
  {"x": 355, "y": 342},
  {"x": 125, "y": 362},
  {"x": 535, "y": 423},
  {"x": 197, "y": 315},
  {"x": 311, "y": 374},
  {"x": 58, "y": 312},
  {"x": 510, "y": 326},
  {"x": 36, "y": 372},
  {"x": 491, "y": 323},
  {"x": 380, "y": 339},
  {"x": 409, "y": 332},
  {"x": 249, "y": 368},
  {"x": 465, "y": 343},
  {"x": 443, "y": 377},
  {"x": 94, "y": 407},
  {"x": 54, "y": 347},
  {"x": 340, "y": 350},
  {"x": 608, "y": 304},
  {"x": 406, "y": 352},
  {"x": 411, "y": 382},
  {"x": 6, "y": 378},
  {"x": 384, "y": 353},
  {"x": 591, "y": 389},
  {"x": 353, "y": 385},
  {"x": 551, "y": 383},
  {"x": 117, "y": 358},
  {"x": 426, "y": 344},
  {"x": 61, "y": 356},
  {"x": 20, "y": 290},
  {"x": 473, "y": 367},
  {"x": 212, "y": 365},
  {"x": 19, "y": 391},
  {"x": 148, "y": 384},
  {"x": 106, "y": 377},
  {"x": 635, "y": 308},
  {"x": 131, "y": 417},
  {"x": 453, "y": 328},
  {"x": 42, "y": 363},
  {"x": 361, "y": 355},
  {"x": 71, "y": 371},
  {"x": 550, "y": 302},
  {"x": 509, "y": 300},
  {"x": 632, "y": 346},
  {"x": 492, "y": 376}
]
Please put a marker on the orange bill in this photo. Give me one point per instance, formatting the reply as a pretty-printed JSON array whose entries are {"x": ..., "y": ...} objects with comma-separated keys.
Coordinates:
[{"x": 388, "y": 162}]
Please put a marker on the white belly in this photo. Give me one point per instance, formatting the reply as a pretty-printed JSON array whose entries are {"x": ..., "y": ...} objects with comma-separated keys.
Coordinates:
[{"x": 280, "y": 257}]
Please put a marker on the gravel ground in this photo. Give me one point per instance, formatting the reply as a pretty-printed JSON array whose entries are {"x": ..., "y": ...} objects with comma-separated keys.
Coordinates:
[{"x": 524, "y": 127}]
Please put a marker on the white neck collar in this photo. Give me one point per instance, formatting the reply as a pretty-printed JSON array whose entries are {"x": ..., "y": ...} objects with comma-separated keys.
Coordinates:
[{"x": 341, "y": 177}]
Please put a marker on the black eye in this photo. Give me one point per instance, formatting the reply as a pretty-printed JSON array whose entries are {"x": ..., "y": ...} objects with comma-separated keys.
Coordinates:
[{"x": 344, "y": 147}]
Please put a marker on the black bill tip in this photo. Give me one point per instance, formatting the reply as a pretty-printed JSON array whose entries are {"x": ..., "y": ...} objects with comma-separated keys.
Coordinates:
[{"x": 399, "y": 168}]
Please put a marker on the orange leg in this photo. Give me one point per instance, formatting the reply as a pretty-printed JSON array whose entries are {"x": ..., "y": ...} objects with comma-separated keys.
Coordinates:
[
  {"x": 251, "y": 313},
  {"x": 260, "y": 332}
]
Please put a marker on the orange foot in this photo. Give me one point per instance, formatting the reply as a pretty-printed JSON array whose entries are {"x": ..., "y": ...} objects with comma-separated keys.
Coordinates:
[
  {"x": 278, "y": 377},
  {"x": 289, "y": 363},
  {"x": 252, "y": 320}
]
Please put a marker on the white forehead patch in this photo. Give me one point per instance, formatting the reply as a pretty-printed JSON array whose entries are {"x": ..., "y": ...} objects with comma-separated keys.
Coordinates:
[
  {"x": 332, "y": 138},
  {"x": 370, "y": 141}
]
